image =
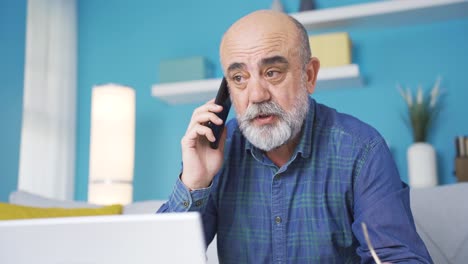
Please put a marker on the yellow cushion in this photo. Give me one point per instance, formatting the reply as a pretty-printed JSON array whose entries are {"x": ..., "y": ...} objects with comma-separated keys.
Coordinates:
[
  {"x": 333, "y": 49},
  {"x": 11, "y": 211}
]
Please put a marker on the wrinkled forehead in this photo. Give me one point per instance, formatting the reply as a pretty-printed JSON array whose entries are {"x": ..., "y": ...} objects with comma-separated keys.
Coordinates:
[
  {"x": 254, "y": 44},
  {"x": 259, "y": 35}
]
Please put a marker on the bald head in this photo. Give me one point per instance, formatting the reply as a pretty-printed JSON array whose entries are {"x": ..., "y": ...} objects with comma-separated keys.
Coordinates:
[{"x": 262, "y": 26}]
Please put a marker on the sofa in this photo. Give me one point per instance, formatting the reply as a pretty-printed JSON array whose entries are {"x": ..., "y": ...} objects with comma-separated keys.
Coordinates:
[
  {"x": 441, "y": 218},
  {"x": 440, "y": 214}
]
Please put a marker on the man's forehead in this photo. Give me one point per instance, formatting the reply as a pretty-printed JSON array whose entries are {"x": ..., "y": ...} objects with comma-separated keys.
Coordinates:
[
  {"x": 255, "y": 43},
  {"x": 261, "y": 55},
  {"x": 251, "y": 31},
  {"x": 260, "y": 34}
]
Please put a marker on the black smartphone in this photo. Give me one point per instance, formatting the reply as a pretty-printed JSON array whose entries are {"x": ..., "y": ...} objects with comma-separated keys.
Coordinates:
[{"x": 223, "y": 99}]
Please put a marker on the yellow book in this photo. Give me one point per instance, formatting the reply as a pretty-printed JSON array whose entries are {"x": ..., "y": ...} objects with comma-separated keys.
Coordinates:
[{"x": 333, "y": 49}]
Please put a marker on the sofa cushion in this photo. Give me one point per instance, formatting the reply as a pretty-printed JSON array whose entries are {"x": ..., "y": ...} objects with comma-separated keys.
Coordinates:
[
  {"x": 11, "y": 211},
  {"x": 30, "y": 199},
  {"x": 441, "y": 217},
  {"x": 143, "y": 207}
]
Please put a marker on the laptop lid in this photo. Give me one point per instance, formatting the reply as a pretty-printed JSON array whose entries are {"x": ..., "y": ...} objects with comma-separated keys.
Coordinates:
[{"x": 122, "y": 239}]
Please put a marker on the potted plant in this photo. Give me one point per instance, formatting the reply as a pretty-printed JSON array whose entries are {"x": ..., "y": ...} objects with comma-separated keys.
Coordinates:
[{"x": 422, "y": 110}]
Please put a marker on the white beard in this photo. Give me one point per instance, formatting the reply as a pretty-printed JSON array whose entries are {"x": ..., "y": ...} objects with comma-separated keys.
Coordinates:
[{"x": 288, "y": 126}]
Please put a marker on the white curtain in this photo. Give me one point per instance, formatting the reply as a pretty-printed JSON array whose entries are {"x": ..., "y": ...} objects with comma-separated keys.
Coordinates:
[{"x": 47, "y": 154}]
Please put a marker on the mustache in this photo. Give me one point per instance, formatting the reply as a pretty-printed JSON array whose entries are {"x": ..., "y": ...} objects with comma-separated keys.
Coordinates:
[{"x": 264, "y": 108}]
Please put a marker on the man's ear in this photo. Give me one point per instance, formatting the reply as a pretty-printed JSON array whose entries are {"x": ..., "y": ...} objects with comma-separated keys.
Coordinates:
[{"x": 312, "y": 70}]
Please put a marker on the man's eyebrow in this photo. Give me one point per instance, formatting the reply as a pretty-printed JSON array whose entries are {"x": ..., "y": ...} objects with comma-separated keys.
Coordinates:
[
  {"x": 274, "y": 60},
  {"x": 236, "y": 66},
  {"x": 265, "y": 61}
]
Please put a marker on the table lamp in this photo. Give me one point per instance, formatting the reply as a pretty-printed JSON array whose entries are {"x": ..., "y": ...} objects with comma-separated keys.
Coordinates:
[{"x": 112, "y": 145}]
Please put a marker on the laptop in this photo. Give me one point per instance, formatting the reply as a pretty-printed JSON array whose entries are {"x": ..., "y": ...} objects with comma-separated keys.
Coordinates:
[{"x": 122, "y": 239}]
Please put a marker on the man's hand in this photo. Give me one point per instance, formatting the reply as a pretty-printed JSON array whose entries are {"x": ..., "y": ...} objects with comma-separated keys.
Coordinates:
[{"x": 200, "y": 161}]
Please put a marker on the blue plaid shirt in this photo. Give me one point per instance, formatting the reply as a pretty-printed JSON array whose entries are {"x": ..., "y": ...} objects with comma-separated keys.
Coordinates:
[{"x": 310, "y": 210}]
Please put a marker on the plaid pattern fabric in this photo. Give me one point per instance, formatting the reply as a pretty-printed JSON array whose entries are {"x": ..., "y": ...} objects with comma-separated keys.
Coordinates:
[{"x": 310, "y": 209}]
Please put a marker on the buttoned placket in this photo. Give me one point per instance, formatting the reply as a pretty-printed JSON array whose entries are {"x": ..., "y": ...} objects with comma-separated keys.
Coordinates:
[{"x": 278, "y": 219}]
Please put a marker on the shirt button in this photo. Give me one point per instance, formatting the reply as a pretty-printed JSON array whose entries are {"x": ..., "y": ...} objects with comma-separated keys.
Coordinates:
[
  {"x": 278, "y": 220},
  {"x": 198, "y": 203},
  {"x": 186, "y": 204}
]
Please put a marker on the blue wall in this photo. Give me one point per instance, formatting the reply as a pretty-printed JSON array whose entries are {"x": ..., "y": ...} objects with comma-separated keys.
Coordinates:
[
  {"x": 124, "y": 43},
  {"x": 12, "y": 45}
]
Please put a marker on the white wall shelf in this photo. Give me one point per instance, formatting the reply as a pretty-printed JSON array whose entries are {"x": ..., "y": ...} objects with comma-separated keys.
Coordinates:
[
  {"x": 203, "y": 90},
  {"x": 383, "y": 13}
]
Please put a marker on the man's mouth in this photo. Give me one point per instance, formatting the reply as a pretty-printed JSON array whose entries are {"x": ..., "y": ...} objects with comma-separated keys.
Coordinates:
[
  {"x": 263, "y": 116},
  {"x": 264, "y": 119}
]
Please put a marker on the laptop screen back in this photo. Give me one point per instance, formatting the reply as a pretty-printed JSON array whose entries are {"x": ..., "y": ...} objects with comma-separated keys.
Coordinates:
[{"x": 123, "y": 239}]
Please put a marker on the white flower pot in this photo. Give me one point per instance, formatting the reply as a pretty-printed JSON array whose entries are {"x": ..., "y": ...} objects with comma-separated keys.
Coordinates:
[{"x": 422, "y": 165}]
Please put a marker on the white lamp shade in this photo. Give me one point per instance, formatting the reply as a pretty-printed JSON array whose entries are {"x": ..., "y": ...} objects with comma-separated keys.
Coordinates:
[{"x": 112, "y": 145}]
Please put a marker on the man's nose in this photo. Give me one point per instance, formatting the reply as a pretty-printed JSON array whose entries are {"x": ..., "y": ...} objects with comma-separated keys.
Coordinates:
[{"x": 258, "y": 90}]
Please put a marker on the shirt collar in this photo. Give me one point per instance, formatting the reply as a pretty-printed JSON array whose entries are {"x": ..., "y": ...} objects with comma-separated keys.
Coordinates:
[{"x": 305, "y": 144}]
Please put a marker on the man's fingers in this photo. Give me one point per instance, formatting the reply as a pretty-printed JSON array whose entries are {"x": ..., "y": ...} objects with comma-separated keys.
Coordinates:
[
  {"x": 200, "y": 130},
  {"x": 203, "y": 118},
  {"x": 208, "y": 107},
  {"x": 197, "y": 127}
]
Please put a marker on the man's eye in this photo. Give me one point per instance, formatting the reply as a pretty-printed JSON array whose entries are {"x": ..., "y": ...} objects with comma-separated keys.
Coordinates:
[
  {"x": 272, "y": 74},
  {"x": 237, "y": 78}
]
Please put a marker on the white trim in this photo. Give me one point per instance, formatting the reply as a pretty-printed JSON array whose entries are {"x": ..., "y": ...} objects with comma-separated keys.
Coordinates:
[{"x": 396, "y": 12}]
